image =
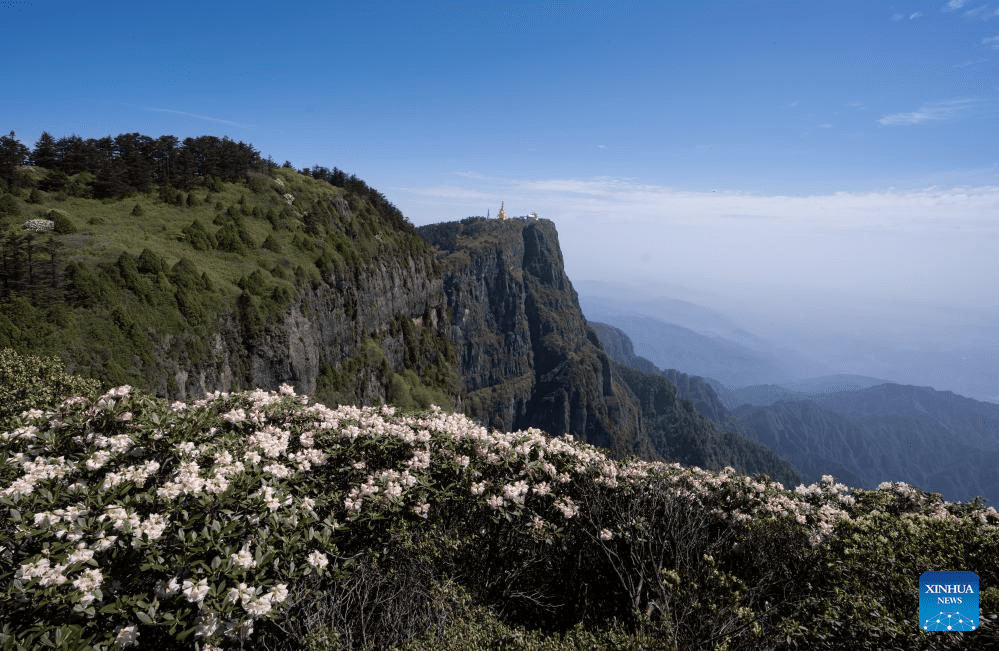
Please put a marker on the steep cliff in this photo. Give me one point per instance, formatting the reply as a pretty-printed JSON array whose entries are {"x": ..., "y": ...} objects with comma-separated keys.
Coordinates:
[
  {"x": 683, "y": 417},
  {"x": 278, "y": 278},
  {"x": 525, "y": 354},
  {"x": 372, "y": 322},
  {"x": 286, "y": 277},
  {"x": 699, "y": 391}
]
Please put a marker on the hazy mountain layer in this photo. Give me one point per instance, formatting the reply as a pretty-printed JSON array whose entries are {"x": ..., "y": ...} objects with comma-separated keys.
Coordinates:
[
  {"x": 684, "y": 416},
  {"x": 935, "y": 440}
]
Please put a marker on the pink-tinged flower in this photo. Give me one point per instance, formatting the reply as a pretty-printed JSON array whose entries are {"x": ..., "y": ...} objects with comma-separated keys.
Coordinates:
[
  {"x": 279, "y": 593},
  {"x": 235, "y": 416},
  {"x": 566, "y": 506},
  {"x": 259, "y": 606},
  {"x": 318, "y": 560},
  {"x": 244, "y": 559},
  {"x": 88, "y": 582},
  {"x": 46, "y": 573},
  {"x": 495, "y": 501},
  {"x": 169, "y": 588},
  {"x": 243, "y": 594},
  {"x": 278, "y": 470},
  {"x": 421, "y": 510},
  {"x": 606, "y": 534},
  {"x": 127, "y": 636},
  {"x": 195, "y": 592},
  {"x": 515, "y": 491},
  {"x": 208, "y": 624},
  {"x": 543, "y": 488},
  {"x": 81, "y": 554},
  {"x": 119, "y": 392}
]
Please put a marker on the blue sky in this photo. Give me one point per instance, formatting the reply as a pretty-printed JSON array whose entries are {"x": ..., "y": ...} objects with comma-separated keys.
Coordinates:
[{"x": 771, "y": 150}]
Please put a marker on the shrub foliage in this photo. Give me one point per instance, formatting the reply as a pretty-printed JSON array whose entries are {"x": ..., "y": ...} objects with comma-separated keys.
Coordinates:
[{"x": 258, "y": 519}]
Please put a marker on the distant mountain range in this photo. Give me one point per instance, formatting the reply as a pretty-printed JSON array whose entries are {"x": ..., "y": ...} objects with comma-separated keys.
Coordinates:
[
  {"x": 182, "y": 282},
  {"x": 859, "y": 429},
  {"x": 701, "y": 341},
  {"x": 768, "y": 394},
  {"x": 944, "y": 346}
]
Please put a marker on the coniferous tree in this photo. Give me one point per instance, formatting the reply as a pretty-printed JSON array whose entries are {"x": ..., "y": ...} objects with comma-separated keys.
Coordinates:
[
  {"x": 76, "y": 155},
  {"x": 54, "y": 248},
  {"x": 164, "y": 154},
  {"x": 45, "y": 153},
  {"x": 12, "y": 155}
]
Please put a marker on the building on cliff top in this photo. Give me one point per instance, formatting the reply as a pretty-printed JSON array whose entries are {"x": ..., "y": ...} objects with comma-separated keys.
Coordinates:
[{"x": 502, "y": 216}]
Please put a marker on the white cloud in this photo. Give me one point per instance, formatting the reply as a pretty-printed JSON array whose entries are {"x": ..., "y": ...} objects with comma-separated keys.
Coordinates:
[
  {"x": 201, "y": 117},
  {"x": 981, "y": 13},
  {"x": 878, "y": 243},
  {"x": 969, "y": 62},
  {"x": 795, "y": 103},
  {"x": 825, "y": 125},
  {"x": 626, "y": 200},
  {"x": 915, "y": 15},
  {"x": 855, "y": 105},
  {"x": 992, "y": 41},
  {"x": 897, "y": 17},
  {"x": 601, "y": 146},
  {"x": 929, "y": 112},
  {"x": 953, "y": 5}
]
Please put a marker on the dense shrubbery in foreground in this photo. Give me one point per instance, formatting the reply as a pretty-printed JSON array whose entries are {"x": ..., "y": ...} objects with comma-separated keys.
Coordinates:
[{"x": 257, "y": 520}]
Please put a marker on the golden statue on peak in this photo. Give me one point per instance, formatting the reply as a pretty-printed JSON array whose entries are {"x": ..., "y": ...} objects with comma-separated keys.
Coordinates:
[{"x": 502, "y": 213}]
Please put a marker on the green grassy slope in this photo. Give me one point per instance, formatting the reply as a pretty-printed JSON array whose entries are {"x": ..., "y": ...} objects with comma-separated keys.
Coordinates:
[{"x": 172, "y": 263}]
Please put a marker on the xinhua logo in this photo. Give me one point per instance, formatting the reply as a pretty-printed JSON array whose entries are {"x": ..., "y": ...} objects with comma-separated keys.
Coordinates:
[{"x": 948, "y": 601}]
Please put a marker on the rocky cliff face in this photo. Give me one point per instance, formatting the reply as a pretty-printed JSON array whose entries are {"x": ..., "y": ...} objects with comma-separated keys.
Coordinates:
[
  {"x": 525, "y": 353},
  {"x": 355, "y": 319},
  {"x": 485, "y": 316},
  {"x": 696, "y": 389}
]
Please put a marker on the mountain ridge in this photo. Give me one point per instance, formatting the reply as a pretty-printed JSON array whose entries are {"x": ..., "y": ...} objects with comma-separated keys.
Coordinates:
[
  {"x": 273, "y": 276},
  {"x": 936, "y": 440}
]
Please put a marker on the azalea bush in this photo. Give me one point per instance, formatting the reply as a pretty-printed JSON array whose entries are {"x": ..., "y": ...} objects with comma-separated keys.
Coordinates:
[{"x": 261, "y": 520}]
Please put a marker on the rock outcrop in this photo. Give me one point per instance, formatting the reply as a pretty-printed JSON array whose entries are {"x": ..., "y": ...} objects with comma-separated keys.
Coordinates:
[
  {"x": 526, "y": 356},
  {"x": 352, "y": 317}
]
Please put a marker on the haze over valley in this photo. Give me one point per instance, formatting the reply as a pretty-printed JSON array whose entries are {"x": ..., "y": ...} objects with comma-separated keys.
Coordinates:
[
  {"x": 466, "y": 325},
  {"x": 949, "y": 348}
]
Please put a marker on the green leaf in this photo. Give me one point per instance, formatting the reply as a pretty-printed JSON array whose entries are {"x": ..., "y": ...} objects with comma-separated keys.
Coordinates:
[{"x": 143, "y": 617}]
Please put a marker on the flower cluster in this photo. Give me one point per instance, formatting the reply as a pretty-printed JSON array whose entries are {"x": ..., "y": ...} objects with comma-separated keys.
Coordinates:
[
  {"x": 264, "y": 515},
  {"x": 39, "y": 225}
]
